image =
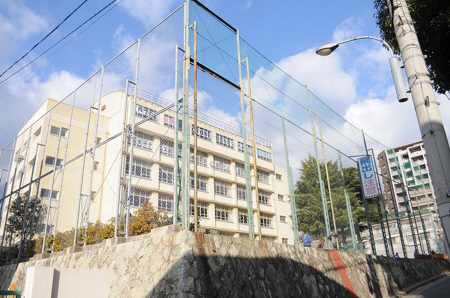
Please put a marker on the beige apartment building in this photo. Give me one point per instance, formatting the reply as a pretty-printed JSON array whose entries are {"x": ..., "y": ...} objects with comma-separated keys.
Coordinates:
[{"x": 58, "y": 135}]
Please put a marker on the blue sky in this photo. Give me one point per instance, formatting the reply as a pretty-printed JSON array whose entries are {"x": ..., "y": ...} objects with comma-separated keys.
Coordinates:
[{"x": 355, "y": 80}]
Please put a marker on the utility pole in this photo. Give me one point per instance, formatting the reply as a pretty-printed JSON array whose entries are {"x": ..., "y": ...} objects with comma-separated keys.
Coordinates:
[{"x": 428, "y": 115}]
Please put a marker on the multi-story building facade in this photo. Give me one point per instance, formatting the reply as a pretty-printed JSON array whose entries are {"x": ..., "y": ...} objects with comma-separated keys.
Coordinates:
[
  {"x": 58, "y": 136},
  {"x": 406, "y": 178}
]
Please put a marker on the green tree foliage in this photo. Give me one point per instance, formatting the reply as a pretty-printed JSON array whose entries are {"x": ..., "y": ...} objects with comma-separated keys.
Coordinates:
[
  {"x": 432, "y": 23},
  {"x": 147, "y": 218},
  {"x": 17, "y": 214},
  {"x": 141, "y": 222},
  {"x": 309, "y": 200}
]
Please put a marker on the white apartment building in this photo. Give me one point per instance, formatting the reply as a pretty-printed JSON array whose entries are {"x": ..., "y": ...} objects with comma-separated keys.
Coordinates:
[
  {"x": 59, "y": 137},
  {"x": 407, "y": 165}
]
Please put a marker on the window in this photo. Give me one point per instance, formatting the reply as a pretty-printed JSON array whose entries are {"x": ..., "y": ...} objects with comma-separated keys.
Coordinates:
[
  {"x": 166, "y": 148},
  {"x": 240, "y": 170},
  {"x": 165, "y": 174},
  {"x": 202, "y": 158},
  {"x": 169, "y": 121},
  {"x": 241, "y": 148},
  {"x": 96, "y": 166},
  {"x": 45, "y": 194},
  {"x": 263, "y": 176},
  {"x": 266, "y": 221},
  {"x": 50, "y": 161},
  {"x": 284, "y": 240},
  {"x": 222, "y": 188},
  {"x": 99, "y": 140},
  {"x": 202, "y": 209},
  {"x": 56, "y": 131},
  {"x": 202, "y": 133},
  {"x": 224, "y": 141},
  {"x": 282, "y": 218},
  {"x": 264, "y": 155},
  {"x": 264, "y": 198},
  {"x": 222, "y": 213},
  {"x": 221, "y": 164},
  {"x": 165, "y": 202},
  {"x": 138, "y": 197},
  {"x": 202, "y": 183},
  {"x": 140, "y": 168},
  {"x": 278, "y": 176},
  {"x": 280, "y": 198},
  {"x": 243, "y": 217},
  {"x": 144, "y": 112},
  {"x": 141, "y": 141},
  {"x": 37, "y": 132},
  {"x": 241, "y": 192}
]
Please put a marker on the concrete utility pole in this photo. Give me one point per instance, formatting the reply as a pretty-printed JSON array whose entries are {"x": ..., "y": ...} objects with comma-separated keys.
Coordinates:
[{"x": 428, "y": 115}]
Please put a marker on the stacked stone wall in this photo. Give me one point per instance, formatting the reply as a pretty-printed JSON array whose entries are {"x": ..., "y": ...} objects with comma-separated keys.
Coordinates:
[{"x": 173, "y": 262}]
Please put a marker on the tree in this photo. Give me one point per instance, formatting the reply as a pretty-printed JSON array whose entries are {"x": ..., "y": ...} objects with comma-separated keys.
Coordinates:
[
  {"x": 17, "y": 213},
  {"x": 147, "y": 218},
  {"x": 309, "y": 200},
  {"x": 432, "y": 23}
]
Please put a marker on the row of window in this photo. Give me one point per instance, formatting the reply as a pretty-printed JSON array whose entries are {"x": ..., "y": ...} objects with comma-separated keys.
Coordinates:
[
  {"x": 203, "y": 133},
  {"x": 142, "y": 169},
  {"x": 165, "y": 202},
  {"x": 144, "y": 141}
]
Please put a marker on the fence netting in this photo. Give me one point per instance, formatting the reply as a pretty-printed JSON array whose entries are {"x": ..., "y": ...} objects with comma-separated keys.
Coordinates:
[{"x": 115, "y": 158}]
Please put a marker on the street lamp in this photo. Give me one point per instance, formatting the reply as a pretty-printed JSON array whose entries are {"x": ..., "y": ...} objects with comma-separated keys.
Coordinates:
[
  {"x": 425, "y": 104},
  {"x": 396, "y": 71}
]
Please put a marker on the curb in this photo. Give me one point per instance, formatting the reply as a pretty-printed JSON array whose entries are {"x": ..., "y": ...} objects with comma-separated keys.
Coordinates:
[{"x": 418, "y": 285}]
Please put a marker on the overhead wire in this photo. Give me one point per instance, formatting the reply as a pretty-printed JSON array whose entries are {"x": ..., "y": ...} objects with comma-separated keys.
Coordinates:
[
  {"x": 45, "y": 37},
  {"x": 62, "y": 39}
]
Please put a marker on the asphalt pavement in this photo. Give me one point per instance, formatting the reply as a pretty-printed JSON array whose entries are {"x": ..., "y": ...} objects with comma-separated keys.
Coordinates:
[{"x": 438, "y": 288}]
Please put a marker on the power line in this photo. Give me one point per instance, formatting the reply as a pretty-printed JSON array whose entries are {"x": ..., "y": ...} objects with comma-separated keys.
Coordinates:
[
  {"x": 97, "y": 13},
  {"x": 65, "y": 19}
]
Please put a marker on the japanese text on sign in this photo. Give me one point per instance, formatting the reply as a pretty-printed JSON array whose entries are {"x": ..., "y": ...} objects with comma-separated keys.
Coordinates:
[{"x": 367, "y": 174}]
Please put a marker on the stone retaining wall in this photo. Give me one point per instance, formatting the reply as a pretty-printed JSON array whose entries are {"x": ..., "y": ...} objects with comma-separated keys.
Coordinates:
[{"x": 170, "y": 261}]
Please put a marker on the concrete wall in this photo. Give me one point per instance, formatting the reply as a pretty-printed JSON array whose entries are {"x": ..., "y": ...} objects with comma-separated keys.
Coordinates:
[{"x": 170, "y": 261}]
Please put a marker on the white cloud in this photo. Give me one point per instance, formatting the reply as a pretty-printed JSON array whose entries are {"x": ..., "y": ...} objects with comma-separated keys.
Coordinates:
[
  {"x": 147, "y": 12},
  {"x": 324, "y": 76},
  {"x": 17, "y": 23},
  {"x": 349, "y": 28},
  {"x": 388, "y": 121},
  {"x": 18, "y": 105},
  {"x": 247, "y": 4}
]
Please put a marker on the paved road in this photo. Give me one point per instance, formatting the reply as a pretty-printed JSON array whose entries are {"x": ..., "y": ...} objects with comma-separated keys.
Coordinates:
[{"x": 439, "y": 288}]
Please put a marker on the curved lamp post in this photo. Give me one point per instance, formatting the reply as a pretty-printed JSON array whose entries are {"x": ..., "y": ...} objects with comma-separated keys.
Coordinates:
[{"x": 396, "y": 71}]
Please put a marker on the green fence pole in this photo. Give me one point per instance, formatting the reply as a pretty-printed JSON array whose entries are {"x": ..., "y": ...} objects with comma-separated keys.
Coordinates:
[
  {"x": 349, "y": 207},
  {"x": 248, "y": 181},
  {"x": 185, "y": 163},
  {"x": 291, "y": 187},
  {"x": 322, "y": 187}
]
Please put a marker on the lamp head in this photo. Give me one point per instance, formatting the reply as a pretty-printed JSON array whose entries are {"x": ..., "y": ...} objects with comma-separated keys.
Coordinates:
[{"x": 327, "y": 49}]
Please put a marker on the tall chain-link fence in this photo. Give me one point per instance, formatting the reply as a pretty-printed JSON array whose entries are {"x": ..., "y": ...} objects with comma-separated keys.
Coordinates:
[{"x": 269, "y": 160}]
